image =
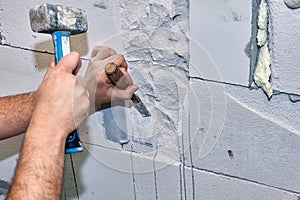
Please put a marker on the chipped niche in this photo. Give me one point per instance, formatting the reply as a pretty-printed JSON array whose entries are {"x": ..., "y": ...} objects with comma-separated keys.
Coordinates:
[
  {"x": 261, "y": 69},
  {"x": 154, "y": 40}
]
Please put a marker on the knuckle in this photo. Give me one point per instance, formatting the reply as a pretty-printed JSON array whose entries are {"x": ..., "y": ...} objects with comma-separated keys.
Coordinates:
[
  {"x": 95, "y": 50},
  {"x": 85, "y": 105},
  {"x": 105, "y": 48},
  {"x": 128, "y": 96},
  {"x": 83, "y": 93},
  {"x": 125, "y": 95},
  {"x": 122, "y": 56},
  {"x": 112, "y": 51},
  {"x": 99, "y": 48},
  {"x": 108, "y": 49}
]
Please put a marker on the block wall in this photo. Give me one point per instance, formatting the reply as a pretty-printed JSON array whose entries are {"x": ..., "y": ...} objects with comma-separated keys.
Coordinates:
[{"x": 213, "y": 134}]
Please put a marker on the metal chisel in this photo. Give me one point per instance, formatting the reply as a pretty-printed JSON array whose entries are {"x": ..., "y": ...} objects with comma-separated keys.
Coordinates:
[{"x": 117, "y": 77}]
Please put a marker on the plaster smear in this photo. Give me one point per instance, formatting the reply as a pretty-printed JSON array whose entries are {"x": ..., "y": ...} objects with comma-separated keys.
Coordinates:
[
  {"x": 261, "y": 37},
  {"x": 262, "y": 71},
  {"x": 4, "y": 187}
]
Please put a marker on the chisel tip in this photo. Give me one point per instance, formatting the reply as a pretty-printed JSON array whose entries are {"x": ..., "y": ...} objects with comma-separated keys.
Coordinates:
[{"x": 139, "y": 105}]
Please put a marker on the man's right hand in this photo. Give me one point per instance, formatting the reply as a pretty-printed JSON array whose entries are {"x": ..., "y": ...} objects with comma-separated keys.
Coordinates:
[{"x": 62, "y": 101}]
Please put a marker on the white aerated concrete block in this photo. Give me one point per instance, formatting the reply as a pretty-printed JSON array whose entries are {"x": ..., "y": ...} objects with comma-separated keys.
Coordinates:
[
  {"x": 222, "y": 29},
  {"x": 209, "y": 136},
  {"x": 258, "y": 141},
  {"x": 207, "y": 185},
  {"x": 285, "y": 45}
]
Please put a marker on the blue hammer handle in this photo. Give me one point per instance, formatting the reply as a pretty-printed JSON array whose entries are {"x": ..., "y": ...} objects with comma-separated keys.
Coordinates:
[{"x": 61, "y": 41}]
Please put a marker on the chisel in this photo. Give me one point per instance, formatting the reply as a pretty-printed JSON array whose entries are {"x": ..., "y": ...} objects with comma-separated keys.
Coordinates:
[{"x": 117, "y": 78}]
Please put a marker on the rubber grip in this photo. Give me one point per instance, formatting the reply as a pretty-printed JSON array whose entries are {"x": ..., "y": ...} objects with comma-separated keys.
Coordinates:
[{"x": 61, "y": 42}]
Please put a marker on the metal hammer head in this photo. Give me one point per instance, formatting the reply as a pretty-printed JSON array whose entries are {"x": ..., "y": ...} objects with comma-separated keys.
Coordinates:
[{"x": 48, "y": 18}]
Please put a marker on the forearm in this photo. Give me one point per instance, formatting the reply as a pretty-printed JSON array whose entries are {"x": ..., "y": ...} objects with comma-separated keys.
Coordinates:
[
  {"x": 61, "y": 103},
  {"x": 40, "y": 168},
  {"x": 15, "y": 114}
]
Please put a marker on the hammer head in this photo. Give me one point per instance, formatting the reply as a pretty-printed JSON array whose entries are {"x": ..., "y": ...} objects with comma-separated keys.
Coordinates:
[{"x": 48, "y": 18}]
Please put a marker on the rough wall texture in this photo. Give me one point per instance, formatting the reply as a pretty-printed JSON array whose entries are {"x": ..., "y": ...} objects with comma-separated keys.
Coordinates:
[
  {"x": 209, "y": 136},
  {"x": 223, "y": 29},
  {"x": 156, "y": 44}
]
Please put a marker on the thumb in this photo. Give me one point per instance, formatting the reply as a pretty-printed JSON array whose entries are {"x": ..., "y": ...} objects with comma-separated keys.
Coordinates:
[{"x": 70, "y": 63}]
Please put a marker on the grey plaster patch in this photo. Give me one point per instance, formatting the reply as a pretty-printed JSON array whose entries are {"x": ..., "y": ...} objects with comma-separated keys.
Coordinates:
[
  {"x": 115, "y": 126},
  {"x": 4, "y": 187}
]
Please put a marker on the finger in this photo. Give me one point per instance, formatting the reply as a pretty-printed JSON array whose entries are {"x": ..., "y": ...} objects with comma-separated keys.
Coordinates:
[
  {"x": 107, "y": 80},
  {"x": 70, "y": 63},
  {"x": 102, "y": 52},
  {"x": 50, "y": 68},
  {"x": 124, "y": 94},
  {"x": 79, "y": 64}
]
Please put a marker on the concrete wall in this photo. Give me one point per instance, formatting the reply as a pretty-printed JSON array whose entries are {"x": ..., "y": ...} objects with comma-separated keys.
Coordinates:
[{"x": 211, "y": 134}]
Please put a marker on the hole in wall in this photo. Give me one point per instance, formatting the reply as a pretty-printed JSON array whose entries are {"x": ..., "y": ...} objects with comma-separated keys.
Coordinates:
[{"x": 230, "y": 153}]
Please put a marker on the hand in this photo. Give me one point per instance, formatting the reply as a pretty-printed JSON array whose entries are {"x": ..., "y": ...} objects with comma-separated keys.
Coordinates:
[
  {"x": 101, "y": 89},
  {"x": 62, "y": 101}
]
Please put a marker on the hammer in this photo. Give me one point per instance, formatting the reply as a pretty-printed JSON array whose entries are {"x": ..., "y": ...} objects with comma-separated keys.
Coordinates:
[{"x": 60, "y": 22}]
